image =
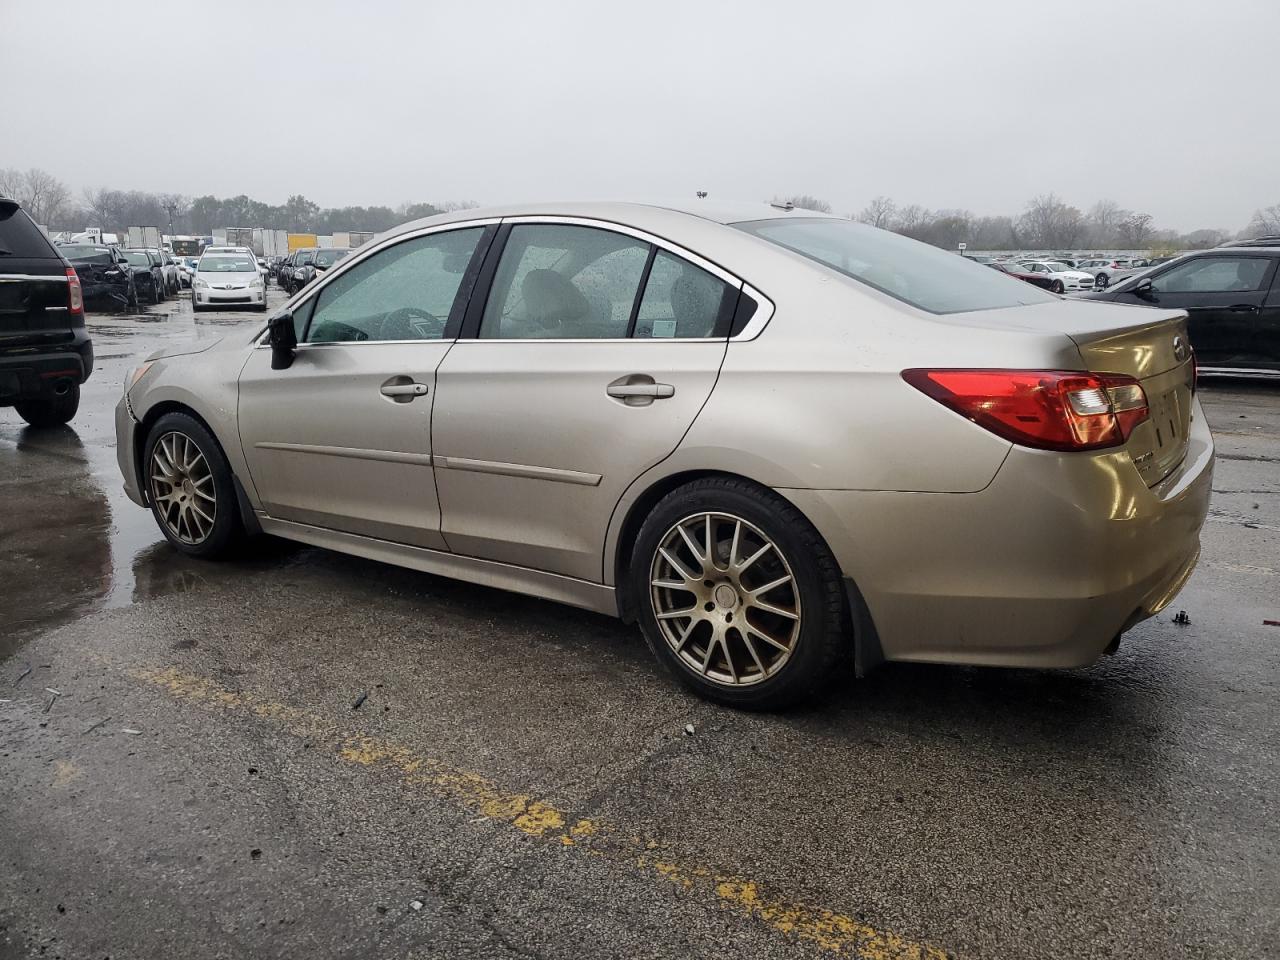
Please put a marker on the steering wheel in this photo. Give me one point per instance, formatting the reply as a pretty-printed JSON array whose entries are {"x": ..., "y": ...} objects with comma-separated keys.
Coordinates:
[{"x": 411, "y": 323}]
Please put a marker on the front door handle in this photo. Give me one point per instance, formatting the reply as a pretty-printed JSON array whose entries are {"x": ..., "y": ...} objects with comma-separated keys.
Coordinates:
[
  {"x": 403, "y": 392},
  {"x": 1242, "y": 308},
  {"x": 652, "y": 391}
]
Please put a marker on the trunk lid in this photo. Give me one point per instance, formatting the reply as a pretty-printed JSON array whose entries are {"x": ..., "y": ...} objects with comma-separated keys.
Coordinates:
[
  {"x": 33, "y": 303},
  {"x": 1146, "y": 343}
]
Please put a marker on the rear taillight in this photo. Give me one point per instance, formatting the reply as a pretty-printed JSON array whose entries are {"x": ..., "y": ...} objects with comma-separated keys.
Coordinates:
[
  {"x": 75, "y": 296},
  {"x": 1045, "y": 409}
]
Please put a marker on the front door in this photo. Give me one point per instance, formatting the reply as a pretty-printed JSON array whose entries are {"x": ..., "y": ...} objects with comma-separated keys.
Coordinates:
[
  {"x": 1225, "y": 297},
  {"x": 587, "y": 364},
  {"x": 342, "y": 438}
]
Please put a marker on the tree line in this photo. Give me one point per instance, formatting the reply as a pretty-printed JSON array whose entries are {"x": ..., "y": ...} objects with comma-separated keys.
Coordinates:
[
  {"x": 51, "y": 203},
  {"x": 1046, "y": 223}
]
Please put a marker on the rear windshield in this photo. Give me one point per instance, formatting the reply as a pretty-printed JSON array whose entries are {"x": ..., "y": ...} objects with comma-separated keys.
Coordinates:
[
  {"x": 137, "y": 259},
  {"x": 227, "y": 265},
  {"x": 82, "y": 253},
  {"x": 908, "y": 270},
  {"x": 19, "y": 237}
]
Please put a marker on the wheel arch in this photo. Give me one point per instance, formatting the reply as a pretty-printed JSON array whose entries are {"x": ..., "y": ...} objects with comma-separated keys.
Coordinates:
[{"x": 152, "y": 416}]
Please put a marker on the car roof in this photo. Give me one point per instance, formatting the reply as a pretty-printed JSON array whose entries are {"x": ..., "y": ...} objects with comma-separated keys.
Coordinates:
[{"x": 643, "y": 215}]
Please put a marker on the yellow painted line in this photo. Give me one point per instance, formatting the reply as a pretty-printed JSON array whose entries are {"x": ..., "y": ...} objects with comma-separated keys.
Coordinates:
[{"x": 829, "y": 930}]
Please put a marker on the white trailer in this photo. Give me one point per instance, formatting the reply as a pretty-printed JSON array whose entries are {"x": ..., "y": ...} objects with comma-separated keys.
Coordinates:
[{"x": 148, "y": 237}]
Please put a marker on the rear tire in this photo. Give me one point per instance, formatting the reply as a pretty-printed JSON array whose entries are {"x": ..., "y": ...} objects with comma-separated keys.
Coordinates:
[
  {"x": 1101, "y": 281},
  {"x": 190, "y": 488},
  {"x": 766, "y": 604},
  {"x": 50, "y": 411},
  {"x": 1057, "y": 287}
]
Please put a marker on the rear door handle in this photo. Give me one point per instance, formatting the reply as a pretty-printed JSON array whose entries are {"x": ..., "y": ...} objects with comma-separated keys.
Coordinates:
[
  {"x": 1242, "y": 308},
  {"x": 654, "y": 391}
]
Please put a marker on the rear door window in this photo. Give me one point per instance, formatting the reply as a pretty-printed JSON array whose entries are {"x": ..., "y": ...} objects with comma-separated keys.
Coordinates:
[
  {"x": 681, "y": 300},
  {"x": 20, "y": 237}
]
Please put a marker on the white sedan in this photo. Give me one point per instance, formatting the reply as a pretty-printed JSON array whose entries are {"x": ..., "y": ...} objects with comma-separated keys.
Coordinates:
[
  {"x": 1064, "y": 278},
  {"x": 228, "y": 279}
]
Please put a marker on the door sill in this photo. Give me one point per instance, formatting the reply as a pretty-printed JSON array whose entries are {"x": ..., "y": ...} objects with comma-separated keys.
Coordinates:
[{"x": 535, "y": 583}]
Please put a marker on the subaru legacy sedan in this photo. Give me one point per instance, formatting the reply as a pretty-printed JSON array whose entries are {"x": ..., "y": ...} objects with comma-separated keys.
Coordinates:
[{"x": 790, "y": 446}]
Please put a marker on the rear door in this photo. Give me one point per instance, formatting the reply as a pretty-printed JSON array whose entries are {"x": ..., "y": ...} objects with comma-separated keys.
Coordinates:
[
  {"x": 1225, "y": 297},
  {"x": 34, "y": 302},
  {"x": 587, "y": 363}
]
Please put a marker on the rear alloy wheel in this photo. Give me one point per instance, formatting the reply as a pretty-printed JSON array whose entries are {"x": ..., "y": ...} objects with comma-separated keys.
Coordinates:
[
  {"x": 1100, "y": 281},
  {"x": 738, "y": 595},
  {"x": 190, "y": 487},
  {"x": 53, "y": 410},
  {"x": 1057, "y": 287}
]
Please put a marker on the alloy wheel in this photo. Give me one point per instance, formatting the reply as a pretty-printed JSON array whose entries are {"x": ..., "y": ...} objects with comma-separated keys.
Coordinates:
[
  {"x": 725, "y": 598},
  {"x": 182, "y": 488}
]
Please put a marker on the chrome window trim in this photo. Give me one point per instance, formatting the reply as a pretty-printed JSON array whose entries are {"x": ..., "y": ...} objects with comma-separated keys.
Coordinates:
[{"x": 15, "y": 277}]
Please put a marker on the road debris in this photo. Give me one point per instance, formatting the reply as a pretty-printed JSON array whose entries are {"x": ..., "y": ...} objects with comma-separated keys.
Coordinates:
[
  {"x": 23, "y": 675},
  {"x": 415, "y": 904},
  {"x": 255, "y": 853},
  {"x": 360, "y": 700},
  {"x": 1271, "y": 623},
  {"x": 95, "y": 726},
  {"x": 688, "y": 729},
  {"x": 1181, "y": 618},
  {"x": 53, "y": 696},
  {"x": 130, "y": 731}
]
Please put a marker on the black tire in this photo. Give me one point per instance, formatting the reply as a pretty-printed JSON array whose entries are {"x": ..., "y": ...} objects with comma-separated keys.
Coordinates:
[
  {"x": 132, "y": 302},
  {"x": 50, "y": 411},
  {"x": 1057, "y": 287},
  {"x": 821, "y": 641},
  {"x": 1101, "y": 281},
  {"x": 227, "y": 531},
  {"x": 155, "y": 291}
]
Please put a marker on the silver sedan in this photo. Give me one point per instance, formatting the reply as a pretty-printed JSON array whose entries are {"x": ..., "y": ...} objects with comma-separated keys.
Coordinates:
[{"x": 790, "y": 446}]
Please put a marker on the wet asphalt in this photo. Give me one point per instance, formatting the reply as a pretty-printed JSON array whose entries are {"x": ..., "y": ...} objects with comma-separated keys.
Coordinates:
[{"x": 185, "y": 771}]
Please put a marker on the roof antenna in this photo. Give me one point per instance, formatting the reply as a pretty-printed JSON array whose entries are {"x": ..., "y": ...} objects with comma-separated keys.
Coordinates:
[
  {"x": 702, "y": 194},
  {"x": 782, "y": 204}
]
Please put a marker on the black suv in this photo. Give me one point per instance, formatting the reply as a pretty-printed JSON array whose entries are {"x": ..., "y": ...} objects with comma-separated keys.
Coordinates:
[
  {"x": 45, "y": 353},
  {"x": 1231, "y": 294}
]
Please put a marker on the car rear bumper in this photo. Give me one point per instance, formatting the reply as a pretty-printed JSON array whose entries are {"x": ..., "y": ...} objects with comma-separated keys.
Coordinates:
[
  {"x": 1043, "y": 568},
  {"x": 43, "y": 371}
]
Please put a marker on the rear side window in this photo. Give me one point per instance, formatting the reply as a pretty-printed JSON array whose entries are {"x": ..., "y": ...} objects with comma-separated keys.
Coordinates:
[
  {"x": 20, "y": 237},
  {"x": 681, "y": 300},
  {"x": 908, "y": 270}
]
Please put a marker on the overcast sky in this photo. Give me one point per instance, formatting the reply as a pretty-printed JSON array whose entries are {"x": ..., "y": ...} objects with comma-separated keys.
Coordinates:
[{"x": 1166, "y": 106}]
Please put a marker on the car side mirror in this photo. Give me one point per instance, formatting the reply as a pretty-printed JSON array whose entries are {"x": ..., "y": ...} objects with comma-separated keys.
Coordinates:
[
  {"x": 1145, "y": 290},
  {"x": 283, "y": 339}
]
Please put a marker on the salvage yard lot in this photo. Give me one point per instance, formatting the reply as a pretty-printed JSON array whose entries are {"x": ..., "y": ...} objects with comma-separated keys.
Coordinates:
[{"x": 187, "y": 772}]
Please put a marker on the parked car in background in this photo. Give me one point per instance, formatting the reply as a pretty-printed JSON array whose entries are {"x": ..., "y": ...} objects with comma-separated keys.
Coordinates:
[
  {"x": 105, "y": 274},
  {"x": 1232, "y": 296},
  {"x": 1014, "y": 269},
  {"x": 228, "y": 278},
  {"x": 168, "y": 269},
  {"x": 1105, "y": 270},
  {"x": 293, "y": 277},
  {"x": 320, "y": 262},
  {"x": 45, "y": 352},
  {"x": 148, "y": 276},
  {"x": 592, "y": 376},
  {"x": 1062, "y": 277}
]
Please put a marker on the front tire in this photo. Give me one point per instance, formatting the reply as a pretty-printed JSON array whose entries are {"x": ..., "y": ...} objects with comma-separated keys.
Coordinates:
[
  {"x": 738, "y": 595},
  {"x": 1101, "y": 281},
  {"x": 50, "y": 411},
  {"x": 190, "y": 488},
  {"x": 1057, "y": 287}
]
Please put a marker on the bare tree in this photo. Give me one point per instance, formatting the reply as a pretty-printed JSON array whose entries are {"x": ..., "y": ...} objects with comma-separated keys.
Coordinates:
[
  {"x": 41, "y": 194},
  {"x": 802, "y": 201},
  {"x": 879, "y": 212},
  {"x": 1048, "y": 222},
  {"x": 1103, "y": 220},
  {"x": 1135, "y": 230},
  {"x": 1265, "y": 222}
]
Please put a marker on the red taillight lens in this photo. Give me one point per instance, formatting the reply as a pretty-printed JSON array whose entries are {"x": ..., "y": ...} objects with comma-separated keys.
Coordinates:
[
  {"x": 1045, "y": 409},
  {"x": 75, "y": 296}
]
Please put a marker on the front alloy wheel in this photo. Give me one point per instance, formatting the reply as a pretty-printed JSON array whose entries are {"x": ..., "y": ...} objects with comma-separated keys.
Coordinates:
[
  {"x": 725, "y": 599},
  {"x": 182, "y": 488}
]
